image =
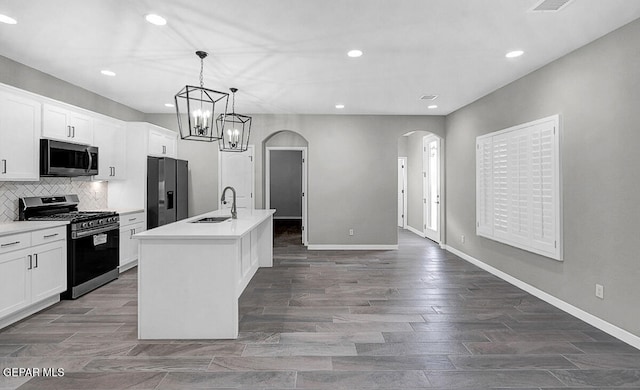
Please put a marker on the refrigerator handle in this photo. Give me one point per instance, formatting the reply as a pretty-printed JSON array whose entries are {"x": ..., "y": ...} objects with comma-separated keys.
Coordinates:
[{"x": 169, "y": 200}]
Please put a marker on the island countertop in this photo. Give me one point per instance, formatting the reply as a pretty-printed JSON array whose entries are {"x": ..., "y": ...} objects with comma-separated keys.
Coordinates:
[{"x": 230, "y": 229}]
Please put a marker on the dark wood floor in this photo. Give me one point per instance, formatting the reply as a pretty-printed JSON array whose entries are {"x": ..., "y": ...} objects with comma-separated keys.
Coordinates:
[{"x": 413, "y": 318}]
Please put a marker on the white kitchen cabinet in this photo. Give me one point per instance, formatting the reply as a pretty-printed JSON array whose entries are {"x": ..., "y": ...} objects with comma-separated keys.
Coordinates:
[
  {"x": 33, "y": 272},
  {"x": 20, "y": 126},
  {"x": 142, "y": 139},
  {"x": 65, "y": 124},
  {"x": 130, "y": 224},
  {"x": 15, "y": 282},
  {"x": 162, "y": 143},
  {"x": 109, "y": 136}
]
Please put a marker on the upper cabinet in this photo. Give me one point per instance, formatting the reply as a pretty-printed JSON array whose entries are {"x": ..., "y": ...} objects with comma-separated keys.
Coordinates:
[
  {"x": 162, "y": 142},
  {"x": 65, "y": 124},
  {"x": 110, "y": 136},
  {"x": 20, "y": 124}
]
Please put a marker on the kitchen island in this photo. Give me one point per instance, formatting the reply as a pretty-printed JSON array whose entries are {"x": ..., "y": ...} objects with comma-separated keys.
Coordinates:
[{"x": 191, "y": 274}]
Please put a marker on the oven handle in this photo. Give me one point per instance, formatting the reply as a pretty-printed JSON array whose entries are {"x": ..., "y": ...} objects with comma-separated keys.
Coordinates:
[{"x": 85, "y": 233}]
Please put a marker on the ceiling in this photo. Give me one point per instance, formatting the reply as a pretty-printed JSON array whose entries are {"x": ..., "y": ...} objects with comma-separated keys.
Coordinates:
[{"x": 289, "y": 56}]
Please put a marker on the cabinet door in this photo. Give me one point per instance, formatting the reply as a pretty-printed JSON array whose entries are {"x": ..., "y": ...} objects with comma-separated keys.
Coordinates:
[
  {"x": 163, "y": 144},
  {"x": 65, "y": 125},
  {"x": 55, "y": 123},
  {"x": 157, "y": 145},
  {"x": 128, "y": 244},
  {"x": 81, "y": 129},
  {"x": 15, "y": 283},
  {"x": 49, "y": 272},
  {"x": 171, "y": 145},
  {"x": 110, "y": 139},
  {"x": 20, "y": 123}
]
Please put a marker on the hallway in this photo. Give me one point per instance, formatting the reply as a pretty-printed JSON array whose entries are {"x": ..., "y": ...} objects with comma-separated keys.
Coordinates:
[{"x": 413, "y": 318}]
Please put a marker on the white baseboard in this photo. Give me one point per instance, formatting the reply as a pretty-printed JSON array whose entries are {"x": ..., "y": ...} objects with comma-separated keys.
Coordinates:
[
  {"x": 29, "y": 310},
  {"x": 296, "y": 218},
  {"x": 415, "y": 231},
  {"x": 128, "y": 266},
  {"x": 589, "y": 318},
  {"x": 329, "y": 247}
]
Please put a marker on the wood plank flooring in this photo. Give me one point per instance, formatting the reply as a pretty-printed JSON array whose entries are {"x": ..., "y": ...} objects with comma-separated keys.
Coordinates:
[{"x": 414, "y": 318}]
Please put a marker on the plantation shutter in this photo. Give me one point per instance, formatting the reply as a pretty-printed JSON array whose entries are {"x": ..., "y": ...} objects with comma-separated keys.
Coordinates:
[{"x": 518, "y": 187}]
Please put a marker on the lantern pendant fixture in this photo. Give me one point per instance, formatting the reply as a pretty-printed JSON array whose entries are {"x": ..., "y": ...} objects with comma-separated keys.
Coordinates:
[
  {"x": 195, "y": 107},
  {"x": 233, "y": 129}
]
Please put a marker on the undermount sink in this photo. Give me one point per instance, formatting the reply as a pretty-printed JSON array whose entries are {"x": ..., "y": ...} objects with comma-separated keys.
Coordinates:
[{"x": 211, "y": 220}]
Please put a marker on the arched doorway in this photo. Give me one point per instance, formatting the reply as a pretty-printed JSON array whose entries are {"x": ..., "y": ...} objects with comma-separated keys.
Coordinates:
[{"x": 286, "y": 184}]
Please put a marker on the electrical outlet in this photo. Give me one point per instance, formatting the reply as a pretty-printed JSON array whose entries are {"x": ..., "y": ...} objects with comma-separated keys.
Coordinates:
[
  {"x": 351, "y": 232},
  {"x": 599, "y": 291},
  {"x": 462, "y": 238}
]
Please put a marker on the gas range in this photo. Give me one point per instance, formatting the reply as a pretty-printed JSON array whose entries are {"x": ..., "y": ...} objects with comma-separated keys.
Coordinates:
[{"x": 92, "y": 240}]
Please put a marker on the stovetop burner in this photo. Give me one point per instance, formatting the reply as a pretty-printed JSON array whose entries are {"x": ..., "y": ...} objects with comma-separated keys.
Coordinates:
[{"x": 73, "y": 216}]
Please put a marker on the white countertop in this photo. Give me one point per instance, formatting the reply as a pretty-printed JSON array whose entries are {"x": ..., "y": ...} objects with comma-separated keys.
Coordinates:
[
  {"x": 28, "y": 226},
  {"x": 230, "y": 229},
  {"x": 120, "y": 211}
]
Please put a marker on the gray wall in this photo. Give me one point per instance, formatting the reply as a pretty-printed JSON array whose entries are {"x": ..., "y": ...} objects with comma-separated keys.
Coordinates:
[
  {"x": 596, "y": 90},
  {"x": 286, "y": 183},
  {"x": 352, "y": 171},
  {"x": 32, "y": 80}
]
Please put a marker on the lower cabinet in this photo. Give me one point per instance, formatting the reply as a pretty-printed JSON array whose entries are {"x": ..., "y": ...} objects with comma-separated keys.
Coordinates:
[
  {"x": 130, "y": 224},
  {"x": 32, "y": 275}
]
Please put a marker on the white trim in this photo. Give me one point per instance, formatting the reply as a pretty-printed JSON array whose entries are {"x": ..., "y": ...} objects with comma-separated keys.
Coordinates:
[
  {"x": 404, "y": 194},
  {"x": 267, "y": 184},
  {"x": 415, "y": 231},
  {"x": 296, "y": 218},
  {"x": 589, "y": 318},
  {"x": 435, "y": 236},
  {"x": 330, "y": 247}
]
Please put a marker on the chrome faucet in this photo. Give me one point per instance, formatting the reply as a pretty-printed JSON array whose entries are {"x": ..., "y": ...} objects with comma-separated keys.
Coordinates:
[{"x": 234, "y": 213}]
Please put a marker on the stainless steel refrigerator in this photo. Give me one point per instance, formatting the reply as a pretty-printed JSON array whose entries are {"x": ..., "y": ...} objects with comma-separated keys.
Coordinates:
[{"x": 167, "y": 190}]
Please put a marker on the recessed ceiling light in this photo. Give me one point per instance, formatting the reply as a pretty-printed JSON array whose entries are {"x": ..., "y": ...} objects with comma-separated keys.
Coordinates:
[
  {"x": 7, "y": 19},
  {"x": 514, "y": 54},
  {"x": 169, "y": 105},
  {"x": 339, "y": 106},
  {"x": 354, "y": 53},
  {"x": 431, "y": 107},
  {"x": 108, "y": 72},
  {"x": 156, "y": 19}
]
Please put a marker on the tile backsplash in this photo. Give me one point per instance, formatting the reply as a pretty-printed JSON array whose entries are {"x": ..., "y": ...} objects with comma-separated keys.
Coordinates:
[{"x": 92, "y": 194}]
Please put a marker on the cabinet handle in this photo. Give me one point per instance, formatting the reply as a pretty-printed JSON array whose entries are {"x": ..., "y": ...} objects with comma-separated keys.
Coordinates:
[
  {"x": 73, "y": 128},
  {"x": 164, "y": 149},
  {"x": 9, "y": 244},
  {"x": 132, "y": 219},
  {"x": 4, "y": 166},
  {"x": 131, "y": 232},
  {"x": 50, "y": 235},
  {"x": 69, "y": 131},
  {"x": 114, "y": 171},
  {"x": 30, "y": 262},
  {"x": 36, "y": 256}
]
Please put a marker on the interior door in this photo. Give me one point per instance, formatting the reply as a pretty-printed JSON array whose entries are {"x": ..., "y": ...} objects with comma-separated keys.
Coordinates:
[
  {"x": 402, "y": 191},
  {"x": 236, "y": 169},
  {"x": 431, "y": 187}
]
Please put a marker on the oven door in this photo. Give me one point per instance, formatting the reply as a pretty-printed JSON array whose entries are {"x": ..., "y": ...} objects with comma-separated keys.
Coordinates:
[{"x": 93, "y": 259}]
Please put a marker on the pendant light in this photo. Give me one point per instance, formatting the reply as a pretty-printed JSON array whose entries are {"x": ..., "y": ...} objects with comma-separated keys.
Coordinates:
[
  {"x": 195, "y": 107},
  {"x": 233, "y": 129}
]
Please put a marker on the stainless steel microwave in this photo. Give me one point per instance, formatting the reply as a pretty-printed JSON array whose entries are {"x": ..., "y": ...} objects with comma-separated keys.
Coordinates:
[{"x": 66, "y": 159}]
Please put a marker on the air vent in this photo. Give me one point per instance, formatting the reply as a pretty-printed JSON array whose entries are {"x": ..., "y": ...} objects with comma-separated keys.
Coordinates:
[
  {"x": 550, "y": 5},
  {"x": 428, "y": 97}
]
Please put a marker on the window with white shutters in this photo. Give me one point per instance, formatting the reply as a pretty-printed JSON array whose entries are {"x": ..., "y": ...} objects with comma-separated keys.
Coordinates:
[{"x": 518, "y": 187}]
